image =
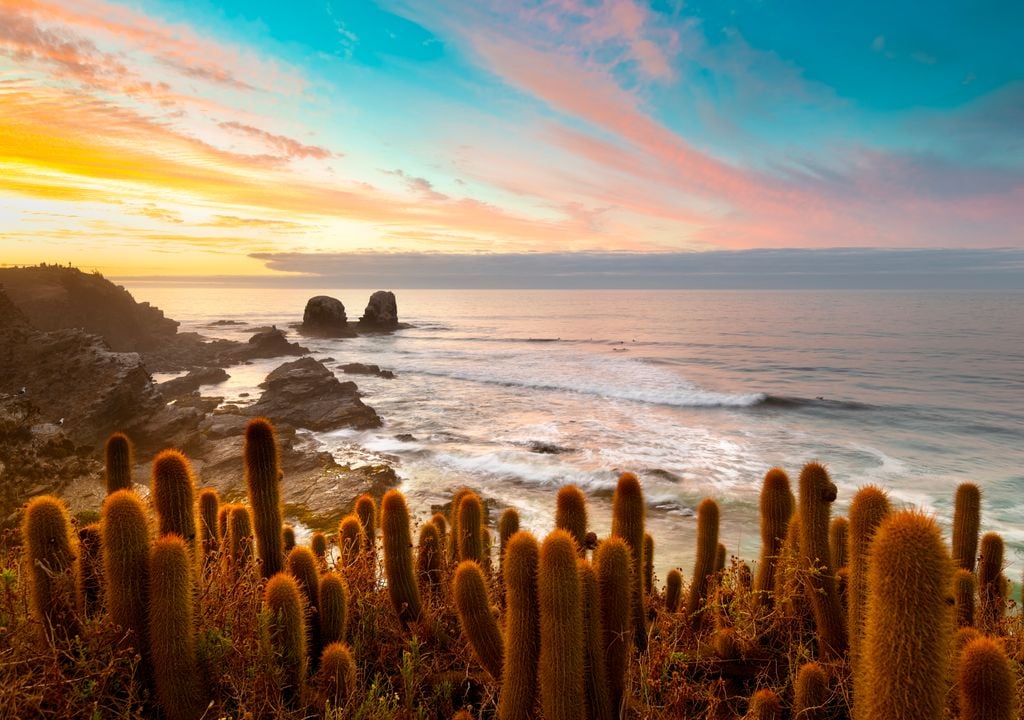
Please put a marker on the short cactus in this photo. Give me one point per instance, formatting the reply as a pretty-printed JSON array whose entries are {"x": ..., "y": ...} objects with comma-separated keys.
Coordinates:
[
  {"x": 89, "y": 582},
  {"x": 336, "y": 679},
  {"x": 614, "y": 580},
  {"x": 810, "y": 693},
  {"x": 50, "y": 558},
  {"x": 776, "y": 509},
  {"x": 366, "y": 510},
  {"x": 302, "y": 566},
  {"x": 173, "y": 489},
  {"x": 963, "y": 597},
  {"x": 286, "y": 634},
  {"x": 966, "y": 525},
  {"x": 628, "y": 523},
  {"x": 351, "y": 540},
  {"x": 986, "y": 682},
  {"x": 124, "y": 528},
  {"x": 571, "y": 514},
  {"x": 508, "y": 525},
  {"x": 649, "y": 563},
  {"x": 334, "y": 605},
  {"x": 522, "y": 628},
  {"x": 704, "y": 562},
  {"x": 428, "y": 558},
  {"x": 398, "y": 563},
  {"x": 475, "y": 616},
  {"x": 817, "y": 493},
  {"x": 561, "y": 629},
  {"x": 868, "y": 509},
  {"x": 991, "y": 595},
  {"x": 239, "y": 540},
  {"x": 764, "y": 705},
  {"x": 171, "y": 640},
  {"x": 118, "y": 463},
  {"x": 318, "y": 544},
  {"x": 470, "y": 528},
  {"x": 838, "y": 541},
  {"x": 454, "y": 522},
  {"x": 262, "y": 479},
  {"x": 721, "y": 555},
  {"x": 673, "y": 590},
  {"x": 288, "y": 537},
  {"x": 595, "y": 672},
  {"x": 209, "y": 507}
]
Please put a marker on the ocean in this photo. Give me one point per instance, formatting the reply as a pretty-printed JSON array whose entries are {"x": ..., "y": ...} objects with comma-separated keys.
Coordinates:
[{"x": 517, "y": 392}]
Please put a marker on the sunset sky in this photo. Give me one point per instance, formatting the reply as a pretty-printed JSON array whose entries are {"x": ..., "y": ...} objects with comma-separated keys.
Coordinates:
[{"x": 242, "y": 138}]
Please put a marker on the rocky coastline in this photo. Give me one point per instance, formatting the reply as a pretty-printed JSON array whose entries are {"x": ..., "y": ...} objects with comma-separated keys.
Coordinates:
[{"x": 77, "y": 357}]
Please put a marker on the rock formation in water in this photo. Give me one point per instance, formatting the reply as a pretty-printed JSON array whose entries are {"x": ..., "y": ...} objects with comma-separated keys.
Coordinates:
[
  {"x": 324, "y": 316},
  {"x": 381, "y": 312}
]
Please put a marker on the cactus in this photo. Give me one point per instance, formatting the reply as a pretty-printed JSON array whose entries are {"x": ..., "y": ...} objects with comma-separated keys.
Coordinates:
[
  {"x": 990, "y": 569},
  {"x": 628, "y": 524},
  {"x": 789, "y": 591},
  {"x": 721, "y": 554},
  {"x": 673, "y": 590},
  {"x": 173, "y": 487},
  {"x": 209, "y": 507},
  {"x": 366, "y": 510},
  {"x": 817, "y": 493},
  {"x": 764, "y": 705},
  {"x": 125, "y": 535},
  {"x": 966, "y": 525},
  {"x": 810, "y": 693},
  {"x": 288, "y": 537},
  {"x": 776, "y": 510},
  {"x": 614, "y": 579},
  {"x": 963, "y": 597},
  {"x": 456, "y": 526},
  {"x": 838, "y": 541},
  {"x": 438, "y": 520},
  {"x": 649, "y": 563},
  {"x": 704, "y": 562},
  {"x": 302, "y": 566},
  {"x": 470, "y": 528},
  {"x": 428, "y": 558},
  {"x": 508, "y": 525},
  {"x": 561, "y": 629},
  {"x": 118, "y": 463},
  {"x": 50, "y": 557},
  {"x": 171, "y": 640},
  {"x": 595, "y": 674},
  {"x": 286, "y": 633},
  {"x": 986, "y": 682},
  {"x": 726, "y": 644},
  {"x": 336, "y": 679},
  {"x": 239, "y": 540},
  {"x": 334, "y": 604},
  {"x": 318, "y": 544},
  {"x": 571, "y": 515},
  {"x": 89, "y": 581},
  {"x": 262, "y": 479},
  {"x": 906, "y": 644},
  {"x": 351, "y": 540},
  {"x": 868, "y": 509},
  {"x": 398, "y": 565},
  {"x": 522, "y": 628},
  {"x": 222, "y": 521},
  {"x": 475, "y": 617}
]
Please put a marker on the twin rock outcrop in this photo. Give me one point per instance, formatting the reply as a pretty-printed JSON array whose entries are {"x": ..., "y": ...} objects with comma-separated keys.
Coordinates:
[{"x": 325, "y": 316}]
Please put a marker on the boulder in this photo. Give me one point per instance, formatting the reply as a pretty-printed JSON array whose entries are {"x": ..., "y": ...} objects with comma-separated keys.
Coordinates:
[
  {"x": 381, "y": 312},
  {"x": 189, "y": 383},
  {"x": 304, "y": 393},
  {"x": 366, "y": 369},
  {"x": 324, "y": 316}
]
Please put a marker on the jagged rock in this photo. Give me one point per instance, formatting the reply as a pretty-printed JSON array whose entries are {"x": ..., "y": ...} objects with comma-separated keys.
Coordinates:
[
  {"x": 304, "y": 393},
  {"x": 381, "y": 312},
  {"x": 181, "y": 386},
  {"x": 267, "y": 344},
  {"x": 324, "y": 316},
  {"x": 365, "y": 369}
]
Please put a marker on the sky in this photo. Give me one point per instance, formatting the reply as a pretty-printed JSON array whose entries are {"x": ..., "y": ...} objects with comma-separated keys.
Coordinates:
[{"x": 343, "y": 138}]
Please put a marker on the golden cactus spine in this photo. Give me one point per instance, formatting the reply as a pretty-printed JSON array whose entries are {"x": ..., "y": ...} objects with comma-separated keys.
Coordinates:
[
  {"x": 817, "y": 493},
  {"x": 336, "y": 679},
  {"x": 721, "y": 554},
  {"x": 561, "y": 629},
  {"x": 475, "y": 616},
  {"x": 172, "y": 645},
  {"x": 239, "y": 538},
  {"x": 764, "y": 705},
  {"x": 351, "y": 540},
  {"x": 124, "y": 528},
  {"x": 209, "y": 508},
  {"x": 318, "y": 544},
  {"x": 286, "y": 634},
  {"x": 966, "y": 525},
  {"x": 302, "y": 566},
  {"x": 571, "y": 514},
  {"x": 455, "y": 524},
  {"x": 614, "y": 582},
  {"x": 673, "y": 590},
  {"x": 471, "y": 534},
  {"x": 985, "y": 682},
  {"x": 628, "y": 523},
  {"x": 990, "y": 571},
  {"x": 776, "y": 509},
  {"x": 117, "y": 455},
  {"x": 334, "y": 605},
  {"x": 50, "y": 559},
  {"x": 441, "y": 523},
  {"x": 89, "y": 582},
  {"x": 173, "y": 489},
  {"x": 262, "y": 481},
  {"x": 704, "y": 562},
  {"x": 906, "y": 647},
  {"x": 649, "y": 563},
  {"x": 518, "y": 695},
  {"x": 599, "y": 705},
  {"x": 366, "y": 510},
  {"x": 508, "y": 525},
  {"x": 868, "y": 509},
  {"x": 963, "y": 597},
  {"x": 288, "y": 537},
  {"x": 428, "y": 558},
  {"x": 810, "y": 693},
  {"x": 398, "y": 563},
  {"x": 838, "y": 542}
]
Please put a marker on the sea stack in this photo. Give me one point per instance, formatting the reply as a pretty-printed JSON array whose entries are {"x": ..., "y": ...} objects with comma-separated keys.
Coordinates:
[
  {"x": 324, "y": 316},
  {"x": 381, "y": 312}
]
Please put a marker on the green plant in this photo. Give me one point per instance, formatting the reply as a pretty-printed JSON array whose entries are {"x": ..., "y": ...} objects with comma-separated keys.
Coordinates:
[
  {"x": 561, "y": 629},
  {"x": 522, "y": 628},
  {"x": 966, "y": 525},
  {"x": 817, "y": 493},
  {"x": 262, "y": 479},
  {"x": 173, "y": 487},
  {"x": 398, "y": 564},
  {"x": 475, "y": 616},
  {"x": 704, "y": 562},
  {"x": 776, "y": 509},
  {"x": 50, "y": 559},
  {"x": 628, "y": 523},
  {"x": 117, "y": 453},
  {"x": 649, "y": 563}
]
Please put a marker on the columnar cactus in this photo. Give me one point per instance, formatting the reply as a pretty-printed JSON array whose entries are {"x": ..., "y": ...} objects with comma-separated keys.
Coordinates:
[
  {"x": 209, "y": 507},
  {"x": 366, "y": 510},
  {"x": 50, "y": 558},
  {"x": 286, "y": 633},
  {"x": 222, "y": 521},
  {"x": 986, "y": 682},
  {"x": 171, "y": 640},
  {"x": 336, "y": 679},
  {"x": 124, "y": 528},
  {"x": 868, "y": 509},
  {"x": 561, "y": 629},
  {"x": 817, "y": 493},
  {"x": 89, "y": 582},
  {"x": 522, "y": 628},
  {"x": 288, "y": 536},
  {"x": 239, "y": 539},
  {"x": 334, "y": 604},
  {"x": 117, "y": 454},
  {"x": 456, "y": 526},
  {"x": 262, "y": 479},
  {"x": 508, "y": 525},
  {"x": 649, "y": 563},
  {"x": 963, "y": 597},
  {"x": 906, "y": 647},
  {"x": 428, "y": 558},
  {"x": 475, "y": 616},
  {"x": 764, "y": 705},
  {"x": 776, "y": 509},
  {"x": 990, "y": 571},
  {"x": 398, "y": 563},
  {"x": 571, "y": 514},
  {"x": 302, "y": 566},
  {"x": 966, "y": 525},
  {"x": 318, "y": 544},
  {"x": 810, "y": 693},
  {"x": 351, "y": 540},
  {"x": 673, "y": 590},
  {"x": 721, "y": 554},
  {"x": 595, "y": 674},
  {"x": 628, "y": 523},
  {"x": 704, "y": 562},
  {"x": 838, "y": 541},
  {"x": 614, "y": 581},
  {"x": 441, "y": 523},
  {"x": 470, "y": 528},
  {"x": 173, "y": 488}
]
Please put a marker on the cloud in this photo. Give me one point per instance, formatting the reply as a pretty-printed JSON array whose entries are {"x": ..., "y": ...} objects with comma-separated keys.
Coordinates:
[{"x": 286, "y": 145}]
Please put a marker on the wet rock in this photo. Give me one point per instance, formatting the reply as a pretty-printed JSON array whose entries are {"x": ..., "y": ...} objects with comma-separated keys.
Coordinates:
[
  {"x": 324, "y": 316},
  {"x": 268, "y": 344},
  {"x": 365, "y": 369},
  {"x": 189, "y": 383},
  {"x": 548, "y": 448},
  {"x": 405, "y": 437},
  {"x": 381, "y": 312}
]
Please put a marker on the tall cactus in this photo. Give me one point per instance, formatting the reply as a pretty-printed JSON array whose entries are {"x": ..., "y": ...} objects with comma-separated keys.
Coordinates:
[
  {"x": 286, "y": 634},
  {"x": 704, "y": 562},
  {"x": 986, "y": 682},
  {"x": 906, "y": 648},
  {"x": 470, "y": 528},
  {"x": 628, "y": 523},
  {"x": 398, "y": 564},
  {"x": 50, "y": 558},
  {"x": 614, "y": 581},
  {"x": 428, "y": 558},
  {"x": 599, "y": 706},
  {"x": 125, "y": 533},
  {"x": 454, "y": 549},
  {"x": 810, "y": 693},
  {"x": 817, "y": 493},
  {"x": 838, "y": 542},
  {"x": 475, "y": 616},
  {"x": 209, "y": 507},
  {"x": 963, "y": 597},
  {"x": 171, "y": 640},
  {"x": 868, "y": 509},
  {"x": 776, "y": 509},
  {"x": 990, "y": 571},
  {"x": 571, "y": 514},
  {"x": 118, "y": 463},
  {"x": 173, "y": 488},
  {"x": 334, "y": 604},
  {"x": 649, "y": 563},
  {"x": 302, "y": 566},
  {"x": 522, "y": 628},
  {"x": 262, "y": 480},
  {"x": 966, "y": 525},
  {"x": 89, "y": 582},
  {"x": 366, "y": 510},
  {"x": 561, "y": 629}
]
